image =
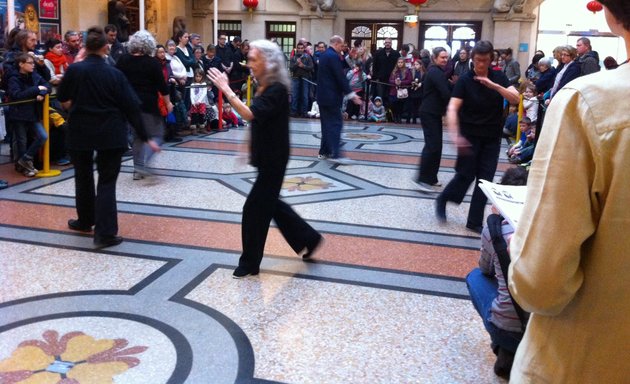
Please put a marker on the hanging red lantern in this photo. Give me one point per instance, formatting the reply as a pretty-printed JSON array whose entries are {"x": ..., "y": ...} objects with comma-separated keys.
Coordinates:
[
  {"x": 594, "y": 6},
  {"x": 250, "y": 4},
  {"x": 417, "y": 3}
]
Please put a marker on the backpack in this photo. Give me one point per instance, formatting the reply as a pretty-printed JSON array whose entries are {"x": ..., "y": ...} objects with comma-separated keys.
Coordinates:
[{"x": 500, "y": 247}]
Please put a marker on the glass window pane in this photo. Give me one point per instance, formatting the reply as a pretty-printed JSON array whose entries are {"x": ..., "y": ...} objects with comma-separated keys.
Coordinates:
[
  {"x": 436, "y": 33},
  {"x": 464, "y": 33}
]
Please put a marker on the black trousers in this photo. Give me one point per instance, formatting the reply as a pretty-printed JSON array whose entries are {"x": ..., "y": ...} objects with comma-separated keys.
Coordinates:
[
  {"x": 97, "y": 206},
  {"x": 432, "y": 150},
  {"x": 477, "y": 162},
  {"x": 262, "y": 205}
]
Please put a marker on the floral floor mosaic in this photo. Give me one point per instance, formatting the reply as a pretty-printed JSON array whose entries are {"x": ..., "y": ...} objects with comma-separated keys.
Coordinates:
[{"x": 382, "y": 301}]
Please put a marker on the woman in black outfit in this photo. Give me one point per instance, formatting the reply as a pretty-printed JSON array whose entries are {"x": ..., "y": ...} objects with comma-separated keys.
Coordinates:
[
  {"x": 269, "y": 152},
  {"x": 436, "y": 93}
]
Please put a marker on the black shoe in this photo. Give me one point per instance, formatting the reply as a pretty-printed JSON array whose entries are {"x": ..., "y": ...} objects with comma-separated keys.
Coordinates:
[
  {"x": 310, "y": 250},
  {"x": 475, "y": 228},
  {"x": 76, "y": 225},
  {"x": 503, "y": 365},
  {"x": 109, "y": 241},
  {"x": 440, "y": 209},
  {"x": 3, "y": 184},
  {"x": 241, "y": 272},
  {"x": 174, "y": 139}
]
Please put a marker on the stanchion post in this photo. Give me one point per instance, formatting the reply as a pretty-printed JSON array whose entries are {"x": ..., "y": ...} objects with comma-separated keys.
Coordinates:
[
  {"x": 520, "y": 116},
  {"x": 249, "y": 90},
  {"x": 220, "y": 109},
  {"x": 47, "y": 172}
]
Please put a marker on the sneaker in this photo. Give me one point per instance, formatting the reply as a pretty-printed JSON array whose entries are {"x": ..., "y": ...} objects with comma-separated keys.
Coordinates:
[
  {"x": 63, "y": 161},
  {"x": 28, "y": 173},
  {"x": 425, "y": 187},
  {"x": 322, "y": 157},
  {"x": 137, "y": 175},
  {"x": 241, "y": 272},
  {"x": 27, "y": 164},
  {"x": 342, "y": 161}
]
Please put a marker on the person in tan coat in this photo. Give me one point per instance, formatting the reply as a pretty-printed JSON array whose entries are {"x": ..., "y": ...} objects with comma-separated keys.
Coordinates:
[{"x": 570, "y": 262}]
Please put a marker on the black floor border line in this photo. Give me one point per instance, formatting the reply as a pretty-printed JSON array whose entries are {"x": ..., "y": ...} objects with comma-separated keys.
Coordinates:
[
  {"x": 184, "y": 353},
  {"x": 246, "y": 357}
]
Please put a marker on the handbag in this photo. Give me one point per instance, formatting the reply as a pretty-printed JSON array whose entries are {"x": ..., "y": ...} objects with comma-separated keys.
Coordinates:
[
  {"x": 162, "y": 106},
  {"x": 402, "y": 93}
]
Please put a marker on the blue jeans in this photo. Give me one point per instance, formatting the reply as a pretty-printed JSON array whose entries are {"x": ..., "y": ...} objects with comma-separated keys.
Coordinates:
[
  {"x": 299, "y": 96},
  {"x": 483, "y": 291},
  {"x": 332, "y": 122},
  {"x": 21, "y": 130}
]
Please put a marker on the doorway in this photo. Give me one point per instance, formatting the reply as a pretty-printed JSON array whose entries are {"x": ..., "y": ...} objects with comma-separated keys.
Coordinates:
[{"x": 373, "y": 33}]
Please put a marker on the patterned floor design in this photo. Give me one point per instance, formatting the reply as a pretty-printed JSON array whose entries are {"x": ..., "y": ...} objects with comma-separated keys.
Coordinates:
[{"x": 383, "y": 301}]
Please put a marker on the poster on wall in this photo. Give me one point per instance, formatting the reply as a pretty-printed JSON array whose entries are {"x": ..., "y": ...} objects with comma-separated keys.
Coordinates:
[{"x": 48, "y": 9}]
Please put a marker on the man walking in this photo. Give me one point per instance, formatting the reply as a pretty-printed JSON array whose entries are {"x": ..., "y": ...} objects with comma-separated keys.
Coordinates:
[{"x": 332, "y": 85}]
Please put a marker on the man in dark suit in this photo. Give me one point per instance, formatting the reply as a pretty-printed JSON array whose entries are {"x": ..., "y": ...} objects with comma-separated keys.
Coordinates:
[
  {"x": 332, "y": 85},
  {"x": 101, "y": 102}
]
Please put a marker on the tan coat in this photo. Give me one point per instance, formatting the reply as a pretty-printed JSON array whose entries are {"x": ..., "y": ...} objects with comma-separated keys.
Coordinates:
[{"x": 571, "y": 252}]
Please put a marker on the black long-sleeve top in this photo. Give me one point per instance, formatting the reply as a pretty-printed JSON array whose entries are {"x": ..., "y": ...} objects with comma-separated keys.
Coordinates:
[
  {"x": 102, "y": 103},
  {"x": 436, "y": 91}
]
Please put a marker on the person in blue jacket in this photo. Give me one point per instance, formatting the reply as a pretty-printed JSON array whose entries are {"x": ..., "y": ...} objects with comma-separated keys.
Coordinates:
[{"x": 332, "y": 86}]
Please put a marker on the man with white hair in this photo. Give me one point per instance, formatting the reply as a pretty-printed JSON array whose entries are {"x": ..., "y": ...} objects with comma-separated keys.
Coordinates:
[{"x": 332, "y": 85}]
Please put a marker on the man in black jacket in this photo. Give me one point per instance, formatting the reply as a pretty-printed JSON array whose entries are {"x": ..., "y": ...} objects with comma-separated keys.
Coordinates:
[
  {"x": 101, "y": 102},
  {"x": 587, "y": 58},
  {"x": 384, "y": 62}
]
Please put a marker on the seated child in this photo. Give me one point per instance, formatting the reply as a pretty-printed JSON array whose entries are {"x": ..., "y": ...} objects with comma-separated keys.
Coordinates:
[
  {"x": 228, "y": 116},
  {"x": 489, "y": 292},
  {"x": 198, "y": 102},
  {"x": 523, "y": 150},
  {"x": 511, "y": 122},
  {"x": 377, "y": 113}
]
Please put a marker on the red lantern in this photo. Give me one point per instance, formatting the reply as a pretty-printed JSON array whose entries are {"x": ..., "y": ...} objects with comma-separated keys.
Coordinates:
[
  {"x": 417, "y": 3},
  {"x": 594, "y": 6},
  {"x": 250, "y": 4}
]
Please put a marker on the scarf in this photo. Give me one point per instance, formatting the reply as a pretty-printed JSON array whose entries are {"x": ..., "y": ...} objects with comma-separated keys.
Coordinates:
[{"x": 58, "y": 61}]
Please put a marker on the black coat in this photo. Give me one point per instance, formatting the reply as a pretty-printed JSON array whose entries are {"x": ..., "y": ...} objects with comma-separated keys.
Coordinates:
[
  {"x": 102, "y": 104},
  {"x": 24, "y": 87},
  {"x": 384, "y": 64}
]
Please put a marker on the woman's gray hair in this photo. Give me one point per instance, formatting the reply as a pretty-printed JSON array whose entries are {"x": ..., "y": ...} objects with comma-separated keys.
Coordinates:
[
  {"x": 170, "y": 42},
  {"x": 142, "y": 42},
  {"x": 275, "y": 63},
  {"x": 546, "y": 61}
]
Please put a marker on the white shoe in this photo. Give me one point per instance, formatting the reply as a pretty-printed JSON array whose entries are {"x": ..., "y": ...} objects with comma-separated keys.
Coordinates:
[
  {"x": 342, "y": 161},
  {"x": 322, "y": 157},
  {"x": 424, "y": 187}
]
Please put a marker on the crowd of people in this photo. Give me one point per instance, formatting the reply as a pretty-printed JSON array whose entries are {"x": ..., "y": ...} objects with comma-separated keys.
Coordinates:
[{"x": 105, "y": 86}]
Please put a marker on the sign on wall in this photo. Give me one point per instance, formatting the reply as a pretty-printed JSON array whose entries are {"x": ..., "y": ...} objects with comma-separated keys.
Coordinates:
[{"x": 40, "y": 16}]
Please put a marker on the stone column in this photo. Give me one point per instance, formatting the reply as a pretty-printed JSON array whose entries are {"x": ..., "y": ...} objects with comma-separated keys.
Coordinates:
[{"x": 515, "y": 31}]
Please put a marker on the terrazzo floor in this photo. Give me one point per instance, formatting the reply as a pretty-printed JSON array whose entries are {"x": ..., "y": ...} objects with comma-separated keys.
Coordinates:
[{"x": 383, "y": 300}]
